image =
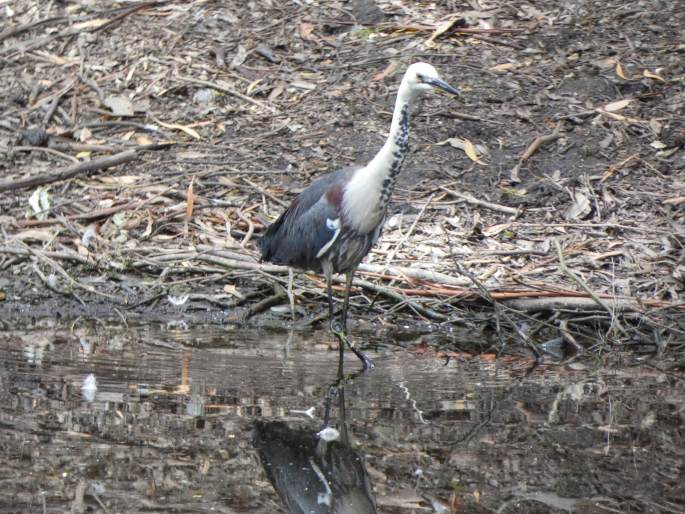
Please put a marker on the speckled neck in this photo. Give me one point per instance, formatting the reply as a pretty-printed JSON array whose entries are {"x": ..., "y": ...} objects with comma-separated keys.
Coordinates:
[{"x": 368, "y": 193}]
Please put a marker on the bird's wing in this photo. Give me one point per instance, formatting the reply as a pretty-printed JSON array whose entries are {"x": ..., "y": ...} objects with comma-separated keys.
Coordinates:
[{"x": 310, "y": 225}]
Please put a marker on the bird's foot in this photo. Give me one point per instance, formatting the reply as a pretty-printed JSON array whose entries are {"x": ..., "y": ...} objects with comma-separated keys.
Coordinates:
[
  {"x": 341, "y": 333},
  {"x": 338, "y": 330}
]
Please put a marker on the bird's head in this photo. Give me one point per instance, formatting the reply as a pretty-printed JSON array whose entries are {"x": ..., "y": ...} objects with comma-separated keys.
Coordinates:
[{"x": 421, "y": 77}]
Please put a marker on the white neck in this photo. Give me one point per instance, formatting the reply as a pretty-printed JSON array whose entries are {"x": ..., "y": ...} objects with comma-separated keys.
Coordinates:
[{"x": 367, "y": 194}]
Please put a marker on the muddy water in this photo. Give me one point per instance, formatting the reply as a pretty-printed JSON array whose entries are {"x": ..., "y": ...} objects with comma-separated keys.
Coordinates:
[{"x": 214, "y": 419}]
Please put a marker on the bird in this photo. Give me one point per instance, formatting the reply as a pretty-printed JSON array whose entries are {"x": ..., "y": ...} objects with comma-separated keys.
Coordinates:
[{"x": 333, "y": 223}]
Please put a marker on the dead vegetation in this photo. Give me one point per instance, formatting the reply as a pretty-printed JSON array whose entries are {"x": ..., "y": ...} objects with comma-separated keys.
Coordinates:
[{"x": 145, "y": 145}]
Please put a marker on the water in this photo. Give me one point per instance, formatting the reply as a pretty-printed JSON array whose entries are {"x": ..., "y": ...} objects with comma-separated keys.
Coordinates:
[{"x": 214, "y": 419}]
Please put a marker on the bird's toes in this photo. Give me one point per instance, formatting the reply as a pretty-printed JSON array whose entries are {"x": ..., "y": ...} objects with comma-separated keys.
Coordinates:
[{"x": 337, "y": 328}]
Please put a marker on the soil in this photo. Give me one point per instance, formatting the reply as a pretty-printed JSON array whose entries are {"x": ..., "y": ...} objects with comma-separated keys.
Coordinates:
[{"x": 231, "y": 108}]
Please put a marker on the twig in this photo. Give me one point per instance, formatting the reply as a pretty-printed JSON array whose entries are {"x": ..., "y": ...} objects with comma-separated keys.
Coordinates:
[
  {"x": 482, "y": 203},
  {"x": 572, "y": 303},
  {"x": 52, "y": 287},
  {"x": 429, "y": 313},
  {"x": 55, "y": 102},
  {"x": 94, "y": 86},
  {"x": 128, "y": 12},
  {"x": 250, "y": 227},
  {"x": 586, "y": 288},
  {"x": 230, "y": 91},
  {"x": 66, "y": 173},
  {"x": 51, "y": 151},
  {"x": 391, "y": 254},
  {"x": 74, "y": 283},
  {"x": 542, "y": 140},
  {"x": 279, "y": 294},
  {"x": 13, "y": 31},
  {"x": 413, "y": 273},
  {"x": 532, "y": 148}
]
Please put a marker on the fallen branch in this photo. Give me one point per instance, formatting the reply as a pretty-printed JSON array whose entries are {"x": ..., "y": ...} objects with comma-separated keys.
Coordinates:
[
  {"x": 71, "y": 171},
  {"x": 578, "y": 304}
]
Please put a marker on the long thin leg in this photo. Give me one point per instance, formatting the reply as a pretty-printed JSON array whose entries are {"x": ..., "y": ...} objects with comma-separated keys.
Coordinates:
[
  {"x": 366, "y": 362},
  {"x": 339, "y": 329},
  {"x": 328, "y": 273},
  {"x": 346, "y": 303}
]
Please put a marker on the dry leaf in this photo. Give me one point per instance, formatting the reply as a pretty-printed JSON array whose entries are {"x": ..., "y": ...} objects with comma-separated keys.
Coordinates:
[
  {"x": 580, "y": 207},
  {"x": 90, "y": 24},
  {"x": 389, "y": 70},
  {"x": 148, "y": 228},
  {"x": 190, "y": 199},
  {"x": 123, "y": 180},
  {"x": 470, "y": 151},
  {"x": 233, "y": 291},
  {"x": 239, "y": 58},
  {"x": 40, "y": 203},
  {"x": 187, "y": 130},
  {"x": 502, "y": 67},
  {"x": 303, "y": 84},
  {"x": 119, "y": 105},
  {"x": 276, "y": 92},
  {"x": 251, "y": 87},
  {"x": 306, "y": 32},
  {"x": 676, "y": 200},
  {"x": 618, "y": 105},
  {"x": 83, "y": 134},
  {"x": 143, "y": 140},
  {"x": 444, "y": 27},
  {"x": 648, "y": 74},
  {"x": 467, "y": 146},
  {"x": 620, "y": 72},
  {"x": 495, "y": 229}
]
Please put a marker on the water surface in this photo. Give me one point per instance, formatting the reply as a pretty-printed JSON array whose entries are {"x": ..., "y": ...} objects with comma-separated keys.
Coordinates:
[{"x": 179, "y": 418}]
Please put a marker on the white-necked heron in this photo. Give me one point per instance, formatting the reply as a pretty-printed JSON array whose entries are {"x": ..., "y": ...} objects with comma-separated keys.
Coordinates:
[{"x": 333, "y": 223}]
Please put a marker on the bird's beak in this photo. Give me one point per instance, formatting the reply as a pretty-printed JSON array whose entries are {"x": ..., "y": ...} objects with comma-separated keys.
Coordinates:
[{"x": 441, "y": 85}]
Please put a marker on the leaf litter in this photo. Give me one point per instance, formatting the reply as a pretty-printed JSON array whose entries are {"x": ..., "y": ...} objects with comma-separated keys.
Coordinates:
[{"x": 169, "y": 156}]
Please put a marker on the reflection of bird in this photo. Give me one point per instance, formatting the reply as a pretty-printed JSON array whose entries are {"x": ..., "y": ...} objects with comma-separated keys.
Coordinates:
[
  {"x": 316, "y": 473},
  {"x": 334, "y": 222},
  {"x": 313, "y": 475}
]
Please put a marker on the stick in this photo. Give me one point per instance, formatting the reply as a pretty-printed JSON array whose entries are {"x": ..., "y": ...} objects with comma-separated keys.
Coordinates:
[
  {"x": 429, "y": 313},
  {"x": 554, "y": 303},
  {"x": 482, "y": 203},
  {"x": 13, "y": 31},
  {"x": 542, "y": 140},
  {"x": 230, "y": 91},
  {"x": 66, "y": 173},
  {"x": 586, "y": 288},
  {"x": 393, "y": 252}
]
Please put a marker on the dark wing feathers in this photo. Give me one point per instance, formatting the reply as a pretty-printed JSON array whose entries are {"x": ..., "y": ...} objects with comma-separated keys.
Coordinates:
[{"x": 296, "y": 237}]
